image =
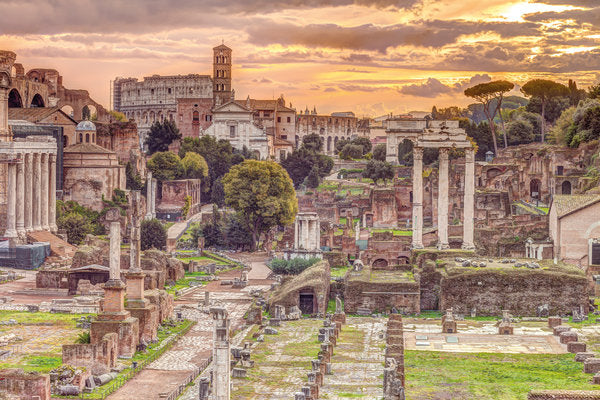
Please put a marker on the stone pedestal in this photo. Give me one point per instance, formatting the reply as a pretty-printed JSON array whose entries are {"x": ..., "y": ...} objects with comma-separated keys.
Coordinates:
[{"x": 554, "y": 321}]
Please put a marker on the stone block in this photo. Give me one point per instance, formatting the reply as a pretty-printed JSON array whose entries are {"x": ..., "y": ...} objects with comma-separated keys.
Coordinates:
[
  {"x": 591, "y": 365},
  {"x": 581, "y": 357},
  {"x": 127, "y": 331},
  {"x": 576, "y": 347},
  {"x": 568, "y": 337},
  {"x": 554, "y": 322},
  {"x": 596, "y": 379},
  {"x": 238, "y": 372},
  {"x": 558, "y": 329}
]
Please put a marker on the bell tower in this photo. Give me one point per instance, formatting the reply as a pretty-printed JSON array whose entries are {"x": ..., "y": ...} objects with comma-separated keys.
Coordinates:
[{"x": 221, "y": 75}]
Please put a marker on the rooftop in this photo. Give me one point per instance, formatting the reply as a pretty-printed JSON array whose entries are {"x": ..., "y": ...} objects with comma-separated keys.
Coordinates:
[{"x": 567, "y": 204}]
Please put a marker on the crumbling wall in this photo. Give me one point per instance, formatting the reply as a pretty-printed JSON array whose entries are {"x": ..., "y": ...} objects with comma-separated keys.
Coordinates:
[
  {"x": 26, "y": 386},
  {"x": 491, "y": 290},
  {"x": 52, "y": 279},
  {"x": 98, "y": 358}
]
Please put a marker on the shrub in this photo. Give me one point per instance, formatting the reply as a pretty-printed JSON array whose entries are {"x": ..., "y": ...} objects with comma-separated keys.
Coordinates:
[
  {"x": 351, "y": 151},
  {"x": 76, "y": 225},
  {"x": 153, "y": 235},
  {"x": 291, "y": 267},
  {"x": 379, "y": 152},
  {"x": 83, "y": 338}
]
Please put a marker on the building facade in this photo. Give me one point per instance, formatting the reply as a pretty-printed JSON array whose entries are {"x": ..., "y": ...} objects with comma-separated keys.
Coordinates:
[
  {"x": 278, "y": 120},
  {"x": 331, "y": 128},
  {"x": 234, "y": 123}
]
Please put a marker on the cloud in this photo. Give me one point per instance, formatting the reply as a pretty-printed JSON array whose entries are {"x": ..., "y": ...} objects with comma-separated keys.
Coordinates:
[
  {"x": 591, "y": 16},
  {"x": 579, "y": 3},
  {"x": 262, "y": 80},
  {"x": 431, "y": 88},
  {"x": 370, "y": 37},
  {"x": 330, "y": 90}
]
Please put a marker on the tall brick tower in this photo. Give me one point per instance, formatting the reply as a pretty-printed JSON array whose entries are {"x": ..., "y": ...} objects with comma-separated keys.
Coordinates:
[{"x": 221, "y": 75}]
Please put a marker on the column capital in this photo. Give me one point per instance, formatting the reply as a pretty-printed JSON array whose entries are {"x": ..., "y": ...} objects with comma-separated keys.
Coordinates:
[
  {"x": 444, "y": 153},
  {"x": 417, "y": 153},
  {"x": 470, "y": 155}
]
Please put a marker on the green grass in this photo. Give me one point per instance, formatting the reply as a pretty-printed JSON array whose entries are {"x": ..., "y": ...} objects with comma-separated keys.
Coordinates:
[
  {"x": 395, "y": 232},
  {"x": 339, "y": 272},
  {"x": 36, "y": 363},
  {"x": 30, "y": 318},
  {"x": 202, "y": 258},
  {"x": 431, "y": 375}
]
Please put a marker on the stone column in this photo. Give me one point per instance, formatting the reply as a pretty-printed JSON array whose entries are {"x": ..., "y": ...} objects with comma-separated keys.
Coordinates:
[
  {"x": 221, "y": 354},
  {"x": 443, "y": 200},
  {"x": 296, "y": 233},
  {"x": 149, "y": 195},
  {"x": 37, "y": 185},
  {"x": 304, "y": 237},
  {"x": 154, "y": 187},
  {"x": 28, "y": 199},
  {"x": 52, "y": 193},
  {"x": 7, "y": 59},
  {"x": 21, "y": 200},
  {"x": 44, "y": 193},
  {"x": 469, "y": 201},
  {"x": 115, "y": 251},
  {"x": 11, "y": 194},
  {"x": 417, "y": 215}
]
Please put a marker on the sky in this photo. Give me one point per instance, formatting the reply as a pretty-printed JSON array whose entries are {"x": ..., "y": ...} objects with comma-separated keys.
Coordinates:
[{"x": 371, "y": 57}]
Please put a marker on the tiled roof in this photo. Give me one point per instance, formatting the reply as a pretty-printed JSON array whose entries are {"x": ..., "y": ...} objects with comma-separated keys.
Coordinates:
[
  {"x": 263, "y": 105},
  {"x": 33, "y": 114},
  {"x": 566, "y": 204},
  {"x": 87, "y": 148},
  {"x": 281, "y": 142}
]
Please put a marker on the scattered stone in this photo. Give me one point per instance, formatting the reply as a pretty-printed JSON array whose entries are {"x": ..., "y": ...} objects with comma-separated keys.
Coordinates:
[
  {"x": 238, "y": 373},
  {"x": 581, "y": 357},
  {"x": 270, "y": 331}
]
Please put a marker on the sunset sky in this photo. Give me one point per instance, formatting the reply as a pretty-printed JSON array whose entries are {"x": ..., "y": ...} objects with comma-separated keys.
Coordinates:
[{"x": 367, "y": 56}]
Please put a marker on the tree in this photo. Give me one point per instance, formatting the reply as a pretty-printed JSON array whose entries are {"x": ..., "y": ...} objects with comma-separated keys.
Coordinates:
[
  {"x": 575, "y": 94},
  {"x": 165, "y": 166},
  {"x": 312, "y": 142},
  {"x": 218, "y": 193},
  {"x": 262, "y": 194},
  {"x": 594, "y": 91},
  {"x": 485, "y": 93},
  {"x": 117, "y": 116},
  {"x": 380, "y": 152},
  {"x": 312, "y": 180},
  {"x": 194, "y": 166},
  {"x": 340, "y": 145},
  {"x": 76, "y": 225},
  {"x": 351, "y": 151},
  {"x": 558, "y": 133},
  {"x": 237, "y": 235},
  {"x": 300, "y": 162},
  {"x": 378, "y": 170},
  {"x": 364, "y": 142},
  {"x": 554, "y": 108},
  {"x": 153, "y": 235},
  {"x": 133, "y": 181},
  {"x": 161, "y": 135},
  {"x": 520, "y": 132},
  {"x": 544, "y": 90}
]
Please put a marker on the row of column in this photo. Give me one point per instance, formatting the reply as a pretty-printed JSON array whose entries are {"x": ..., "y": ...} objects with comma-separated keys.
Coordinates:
[
  {"x": 307, "y": 234},
  {"x": 443, "y": 197},
  {"x": 31, "y": 195}
]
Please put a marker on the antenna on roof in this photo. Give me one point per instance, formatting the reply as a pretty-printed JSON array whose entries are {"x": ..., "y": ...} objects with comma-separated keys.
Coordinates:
[{"x": 222, "y": 41}]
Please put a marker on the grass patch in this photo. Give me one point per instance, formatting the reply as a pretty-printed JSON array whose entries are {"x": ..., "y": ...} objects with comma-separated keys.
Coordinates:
[
  {"x": 489, "y": 376},
  {"x": 36, "y": 363},
  {"x": 395, "y": 232},
  {"x": 32, "y": 318},
  {"x": 339, "y": 272}
]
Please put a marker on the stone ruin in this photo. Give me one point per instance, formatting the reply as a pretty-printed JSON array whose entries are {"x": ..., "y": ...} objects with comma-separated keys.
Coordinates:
[
  {"x": 221, "y": 385},
  {"x": 393, "y": 373},
  {"x": 448, "y": 322},
  {"x": 505, "y": 327}
]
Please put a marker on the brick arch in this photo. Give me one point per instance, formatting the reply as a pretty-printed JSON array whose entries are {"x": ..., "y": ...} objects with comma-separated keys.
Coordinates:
[
  {"x": 15, "y": 100},
  {"x": 37, "y": 101}
]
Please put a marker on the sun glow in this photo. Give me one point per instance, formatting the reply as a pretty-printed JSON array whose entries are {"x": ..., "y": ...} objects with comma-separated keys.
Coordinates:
[{"x": 516, "y": 12}]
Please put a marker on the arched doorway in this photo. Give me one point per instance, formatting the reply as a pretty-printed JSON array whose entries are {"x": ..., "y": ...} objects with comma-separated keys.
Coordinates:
[
  {"x": 37, "y": 101},
  {"x": 566, "y": 187},
  {"x": 534, "y": 188},
  {"x": 14, "y": 99}
]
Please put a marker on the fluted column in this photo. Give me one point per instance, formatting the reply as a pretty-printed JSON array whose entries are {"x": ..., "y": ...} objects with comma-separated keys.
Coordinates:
[
  {"x": 21, "y": 199},
  {"x": 296, "y": 233},
  {"x": 37, "y": 187},
  {"x": 11, "y": 195},
  {"x": 52, "y": 194},
  {"x": 417, "y": 216},
  {"x": 443, "y": 200},
  {"x": 154, "y": 187},
  {"x": 44, "y": 197},
  {"x": 28, "y": 199},
  {"x": 149, "y": 195},
  {"x": 469, "y": 201}
]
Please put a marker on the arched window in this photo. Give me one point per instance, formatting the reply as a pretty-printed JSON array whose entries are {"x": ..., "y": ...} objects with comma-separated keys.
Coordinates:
[
  {"x": 80, "y": 137},
  {"x": 196, "y": 118},
  {"x": 87, "y": 137}
]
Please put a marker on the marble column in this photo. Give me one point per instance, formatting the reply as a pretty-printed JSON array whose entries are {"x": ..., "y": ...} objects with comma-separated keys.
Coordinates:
[
  {"x": 469, "y": 201},
  {"x": 11, "y": 195},
  {"x": 28, "y": 200},
  {"x": 52, "y": 193},
  {"x": 37, "y": 186},
  {"x": 304, "y": 237},
  {"x": 115, "y": 251},
  {"x": 221, "y": 354},
  {"x": 44, "y": 196},
  {"x": 149, "y": 195},
  {"x": 417, "y": 215},
  {"x": 4, "y": 133},
  {"x": 443, "y": 200},
  {"x": 21, "y": 200},
  {"x": 296, "y": 233},
  {"x": 154, "y": 187}
]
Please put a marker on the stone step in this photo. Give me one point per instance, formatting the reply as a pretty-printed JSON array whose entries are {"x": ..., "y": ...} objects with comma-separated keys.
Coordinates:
[
  {"x": 363, "y": 311},
  {"x": 58, "y": 246}
]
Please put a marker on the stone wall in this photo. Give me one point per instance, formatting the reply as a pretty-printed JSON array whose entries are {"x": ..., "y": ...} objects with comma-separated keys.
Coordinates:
[
  {"x": 98, "y": 358},
  {"x": 52, "y": 279},
  {"x": 26, "y": 386},
  {"x": 564, "y": 395},
  {"x": 491, "y": 290},
  {"x": 173, "y": 196},
  {"x": 120, "y": 137}
]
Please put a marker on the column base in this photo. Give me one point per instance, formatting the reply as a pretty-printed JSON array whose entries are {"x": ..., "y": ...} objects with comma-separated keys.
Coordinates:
[
  {"x": 11, "y": 234},
  {"x": 417, "y": 246},
  {"x": 467, "y": 246},
  {"x": 53, "y": 228},
  {"x": 46, "y": 228},
  {"x": 443, "y": 246},
  {"x": 148, "y": 217}
]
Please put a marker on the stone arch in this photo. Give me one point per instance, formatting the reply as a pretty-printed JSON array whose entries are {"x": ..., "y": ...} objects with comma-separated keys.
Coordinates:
[
  {"x": 256, "y": 154},
  {"x": 380, "y": 263},
  {"x": 403, "y": 260},
  {"x": 14, "y": 99},
  {"x": 322, "y": 131},
  {"x": 145, "y": 117},
  {"x": 534, "y": 188},
  {"x": 335, "y": 142},
  {"x": 89, "y": 112},
  {"x": 328, "y": 144},
  {"x": 566, "y": 187},
  {"x": 493, "y": 172},
  {"x": 37, "y": 101}
]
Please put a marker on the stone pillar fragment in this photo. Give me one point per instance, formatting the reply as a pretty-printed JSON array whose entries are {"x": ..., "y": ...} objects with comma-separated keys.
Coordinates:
[
  {"x": 469, "y": 201},
  {"x": 443, "y": 200},
  {"x": 44, "y": 194},
  {"x": 149, "y": 195},
  {"x": 221, "y": 354},
  {"x": 52, "y": 194},
  {"x": 417, "y": 215}
]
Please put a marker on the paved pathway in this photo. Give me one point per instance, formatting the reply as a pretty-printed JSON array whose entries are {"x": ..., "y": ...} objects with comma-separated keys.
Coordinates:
[{"x": 178, "y": 228}]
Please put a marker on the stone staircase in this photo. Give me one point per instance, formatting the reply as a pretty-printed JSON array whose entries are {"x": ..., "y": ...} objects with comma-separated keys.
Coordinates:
[
  {"x": 365, "y": 307},
  {"x": 59, "y": 247}
]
